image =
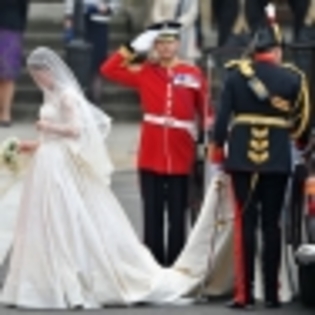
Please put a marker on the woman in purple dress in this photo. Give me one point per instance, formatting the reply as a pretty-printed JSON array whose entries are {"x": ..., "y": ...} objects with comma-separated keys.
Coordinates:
[{"x": 13, "y": 16}]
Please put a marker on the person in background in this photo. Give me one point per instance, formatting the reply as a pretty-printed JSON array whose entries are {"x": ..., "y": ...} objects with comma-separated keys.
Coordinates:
[
  {"x": 13, "y": 19},
  {"x": 303, "y": 12},
  {"x": 97, "y": 16},
  {"x": 174, "y": 97},
  {"x": 186, "y": 13},
  {"x": 237, "y": 20}
]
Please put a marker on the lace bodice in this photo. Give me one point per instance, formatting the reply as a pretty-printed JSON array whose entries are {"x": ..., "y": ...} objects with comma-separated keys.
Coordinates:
[
  {"x": 52, "y": 112},
  {"x": 49, "y": 111}
]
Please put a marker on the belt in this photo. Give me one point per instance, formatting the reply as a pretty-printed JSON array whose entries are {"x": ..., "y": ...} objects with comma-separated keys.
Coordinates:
[
  {"x": 248, "y": 119},
  {"x": 172, "y": 122}
]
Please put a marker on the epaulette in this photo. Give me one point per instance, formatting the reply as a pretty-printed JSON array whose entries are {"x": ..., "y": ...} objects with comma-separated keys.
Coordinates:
[
  {"x": 244, "y": 65},
  {"x": 246, "y": 69},
  {"x": 232, "y": 63},
  {"x": 302, "y": 104}
]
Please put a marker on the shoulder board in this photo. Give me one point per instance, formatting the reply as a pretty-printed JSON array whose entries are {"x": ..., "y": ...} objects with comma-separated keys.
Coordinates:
[
  {"x": 244, "y": 65},
  {"x": 231, "y": 63},
  {"x": 294, "y": 68}
]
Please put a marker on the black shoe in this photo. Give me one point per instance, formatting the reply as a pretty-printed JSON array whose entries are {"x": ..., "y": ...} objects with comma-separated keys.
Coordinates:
[
  {"x": 77, "y": 307},
  {"x": 238, "y": 305},
  {"x": 272, "y": 304},
  {"x": 5, "y": 124}
]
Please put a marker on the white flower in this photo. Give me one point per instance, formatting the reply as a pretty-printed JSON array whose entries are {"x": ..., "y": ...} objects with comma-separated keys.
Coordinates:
[{"x": 9, "y": 153}]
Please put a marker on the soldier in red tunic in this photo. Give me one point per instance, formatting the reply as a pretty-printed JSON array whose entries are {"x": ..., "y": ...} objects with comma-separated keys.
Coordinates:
[{"x": 174, "y": 101}]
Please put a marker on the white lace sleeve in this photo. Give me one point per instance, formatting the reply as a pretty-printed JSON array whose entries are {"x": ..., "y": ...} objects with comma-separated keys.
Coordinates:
[
  {"x": 70, "y": 123},
  {"x": 71, "y": 120}
]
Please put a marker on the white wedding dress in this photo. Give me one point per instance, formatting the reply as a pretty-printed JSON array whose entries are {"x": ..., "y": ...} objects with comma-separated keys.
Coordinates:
[{"x": 74, "y": 245}]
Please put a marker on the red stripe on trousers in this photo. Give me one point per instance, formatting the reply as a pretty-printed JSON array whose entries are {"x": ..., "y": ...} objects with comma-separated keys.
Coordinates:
[{"x": 240, "y": 290}]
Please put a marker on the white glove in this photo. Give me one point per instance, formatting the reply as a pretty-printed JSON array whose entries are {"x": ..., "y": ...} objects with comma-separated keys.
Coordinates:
[
  {"x": 306, "y": 253},
  {"x": 144, "y": 42},
  {"x": 270, "y": 10}
]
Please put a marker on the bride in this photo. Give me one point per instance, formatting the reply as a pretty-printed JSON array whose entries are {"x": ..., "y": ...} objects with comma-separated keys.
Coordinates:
[{"x": 73, "y": 244}]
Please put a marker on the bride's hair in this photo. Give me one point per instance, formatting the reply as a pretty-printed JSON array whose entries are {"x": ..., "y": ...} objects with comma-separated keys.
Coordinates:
[{"x": 43, "y": 58}]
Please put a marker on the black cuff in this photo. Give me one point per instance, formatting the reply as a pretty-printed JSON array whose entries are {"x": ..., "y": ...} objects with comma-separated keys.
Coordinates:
[{"x": 129, "y": 48}]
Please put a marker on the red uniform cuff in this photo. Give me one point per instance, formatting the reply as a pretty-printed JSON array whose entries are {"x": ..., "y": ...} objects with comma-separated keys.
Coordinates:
[
  {"x": 300, "y": 145},
  {"x": 216, "y": 154}
]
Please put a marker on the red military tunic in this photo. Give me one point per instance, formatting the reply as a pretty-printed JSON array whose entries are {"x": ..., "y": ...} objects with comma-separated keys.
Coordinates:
[{"x": 180, "y": 93}]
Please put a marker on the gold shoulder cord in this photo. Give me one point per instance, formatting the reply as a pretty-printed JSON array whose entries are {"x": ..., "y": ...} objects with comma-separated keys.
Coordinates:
[
  {"x": 231, "y": 64},
  {"x": 302, "y": 101},
  {"x": 253, "y": 186},
  {"x": 244, "y": 65}
]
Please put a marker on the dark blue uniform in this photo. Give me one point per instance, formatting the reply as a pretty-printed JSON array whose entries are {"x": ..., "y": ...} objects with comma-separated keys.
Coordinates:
[
  {"x": 262, "y": 106},
  {"x": 261, "y": 145}
]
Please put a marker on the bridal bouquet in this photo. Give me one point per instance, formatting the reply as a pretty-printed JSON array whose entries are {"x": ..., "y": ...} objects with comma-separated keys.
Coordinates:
[{"x": 9, "y": 154}]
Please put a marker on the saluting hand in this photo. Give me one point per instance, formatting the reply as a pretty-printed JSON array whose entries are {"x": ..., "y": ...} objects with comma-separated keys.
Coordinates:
[{"x": 143, "y": 43}]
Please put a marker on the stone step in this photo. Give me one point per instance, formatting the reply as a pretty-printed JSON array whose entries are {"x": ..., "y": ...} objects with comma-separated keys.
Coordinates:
[
  {"x": 55, "y": 40},
  {"x": 25, "y": 82},
  {"x": 45, "y": 25},
  {"x": 50, "y": 11},
  {"x": 60, "y": 50},
  {"x": 42, "y": 1},
  {"x": 119, "y": 24},
  {"x": 115, "y": 95},
  {"x": 119, "y": 112}
]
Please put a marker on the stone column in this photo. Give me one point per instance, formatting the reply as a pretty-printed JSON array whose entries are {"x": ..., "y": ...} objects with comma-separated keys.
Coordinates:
[{"x": 207, "y": 22}]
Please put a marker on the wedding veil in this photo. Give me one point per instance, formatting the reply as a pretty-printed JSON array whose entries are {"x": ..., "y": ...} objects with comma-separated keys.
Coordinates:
[{"x": 94, "y": 124}]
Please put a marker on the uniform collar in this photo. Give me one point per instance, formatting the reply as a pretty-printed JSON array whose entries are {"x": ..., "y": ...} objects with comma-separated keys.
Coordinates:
[
  {"x": 265, "y": 57},
  {"x": 171, "y": 65}
]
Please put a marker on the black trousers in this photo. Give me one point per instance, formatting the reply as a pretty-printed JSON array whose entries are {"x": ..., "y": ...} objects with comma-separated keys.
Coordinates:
[
  {"x": 258, "y": 203},
  {"x": 164, "y": 194},
  {"x": 296, "y": 205}
]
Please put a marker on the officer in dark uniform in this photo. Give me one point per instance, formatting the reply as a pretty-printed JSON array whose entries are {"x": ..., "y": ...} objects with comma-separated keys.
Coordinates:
[
  {"x": 263, "y": 105},
  {"x": 303, "y": 12}
]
